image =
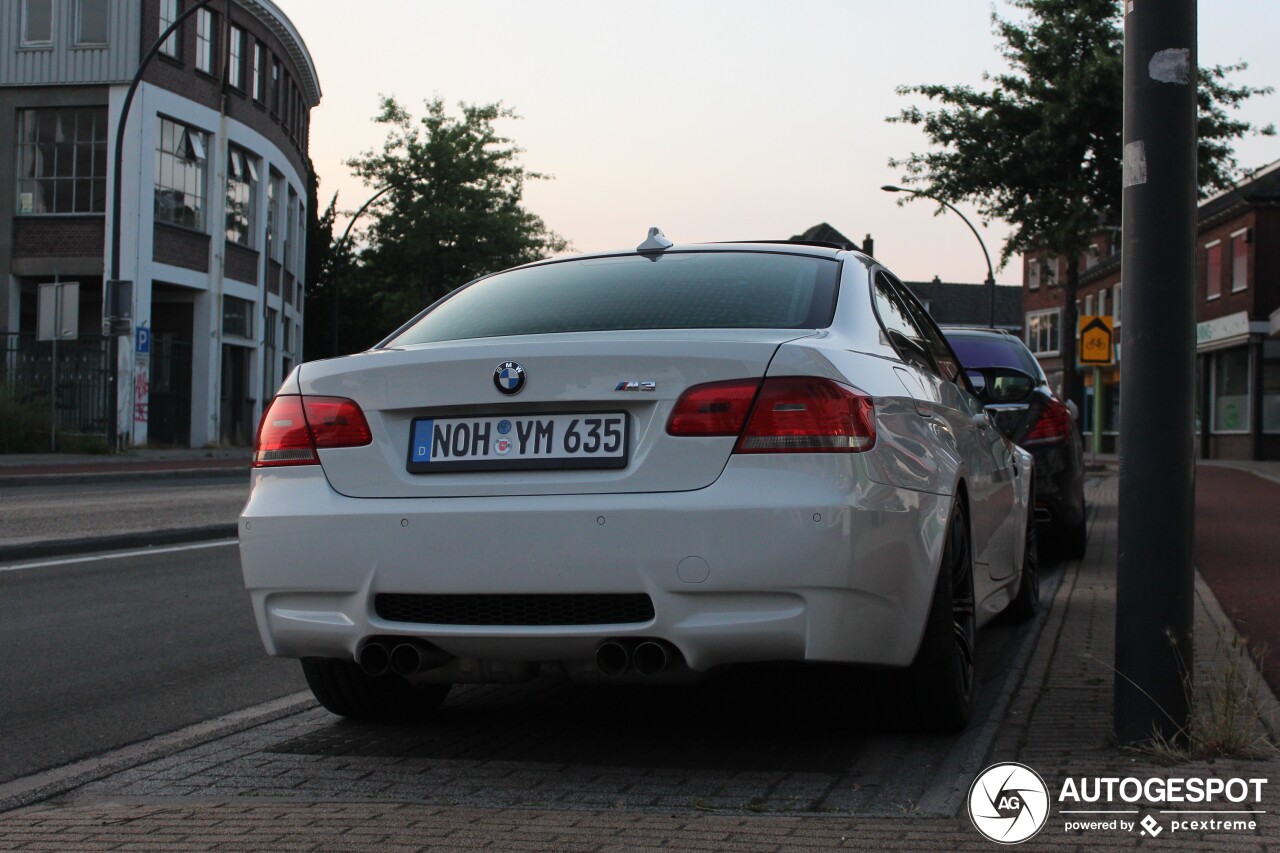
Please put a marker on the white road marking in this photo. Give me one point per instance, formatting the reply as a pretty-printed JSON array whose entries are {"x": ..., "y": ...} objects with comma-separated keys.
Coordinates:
[{"x": 118, "y": 555}]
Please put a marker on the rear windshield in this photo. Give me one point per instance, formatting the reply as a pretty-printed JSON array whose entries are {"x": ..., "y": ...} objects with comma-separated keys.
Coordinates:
[
  {"x": 976, "y": 352},
  {"x": 696, "y": 290}
]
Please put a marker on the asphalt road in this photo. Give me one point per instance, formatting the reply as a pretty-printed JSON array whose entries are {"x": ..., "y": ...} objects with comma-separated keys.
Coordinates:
[
  {"x": 101, "y": 653},
  {"x": 60, "y": 512},
  {"x": 1236, "y": 544}
]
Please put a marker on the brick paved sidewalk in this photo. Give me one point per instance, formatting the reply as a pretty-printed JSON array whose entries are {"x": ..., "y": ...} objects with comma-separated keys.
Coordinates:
[{"x": 1058, "y": 723}]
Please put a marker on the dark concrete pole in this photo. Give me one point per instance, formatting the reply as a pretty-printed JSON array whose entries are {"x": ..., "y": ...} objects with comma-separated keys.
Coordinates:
[{"x": 1155, "y": 581}]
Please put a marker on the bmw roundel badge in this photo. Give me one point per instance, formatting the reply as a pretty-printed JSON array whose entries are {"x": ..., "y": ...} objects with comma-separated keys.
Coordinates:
[{"x": 509, "y": 378}]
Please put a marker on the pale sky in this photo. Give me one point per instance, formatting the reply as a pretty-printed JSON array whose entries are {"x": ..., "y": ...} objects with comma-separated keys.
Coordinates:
[{"x": 713, "y": 119}]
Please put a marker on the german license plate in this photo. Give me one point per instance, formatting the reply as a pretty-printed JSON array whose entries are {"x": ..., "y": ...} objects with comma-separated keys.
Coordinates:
[{"x": 518, "y": 442}]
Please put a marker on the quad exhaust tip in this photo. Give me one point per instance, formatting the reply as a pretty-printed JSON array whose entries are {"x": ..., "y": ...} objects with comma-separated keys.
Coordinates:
[
  {"x": 647, "y": 657},
  {"x": 403, "y": 657}
]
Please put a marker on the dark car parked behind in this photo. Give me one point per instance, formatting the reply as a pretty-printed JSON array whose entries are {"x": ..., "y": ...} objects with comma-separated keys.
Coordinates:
[{"x": 1041, "y": 424}]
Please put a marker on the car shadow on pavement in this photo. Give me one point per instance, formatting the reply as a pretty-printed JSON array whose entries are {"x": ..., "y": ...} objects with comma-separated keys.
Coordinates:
[{"x": 746, "y": 719}]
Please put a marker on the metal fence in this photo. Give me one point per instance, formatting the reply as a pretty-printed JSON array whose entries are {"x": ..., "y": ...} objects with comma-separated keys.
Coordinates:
[{"x": 74, "y": 395}]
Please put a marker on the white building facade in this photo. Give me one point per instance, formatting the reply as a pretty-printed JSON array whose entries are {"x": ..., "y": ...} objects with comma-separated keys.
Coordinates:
[{"x": 215, "y": 188}]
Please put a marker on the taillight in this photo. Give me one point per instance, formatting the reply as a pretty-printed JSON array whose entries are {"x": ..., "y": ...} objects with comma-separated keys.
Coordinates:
[
  {"x": 806, "y": 414},
  {"x": 293, "y": 428},
  {"x": 1053, "y": 425},
  {"x": 716, "y": 408}
]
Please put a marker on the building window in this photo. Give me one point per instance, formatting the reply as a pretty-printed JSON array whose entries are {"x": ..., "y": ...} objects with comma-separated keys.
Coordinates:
[
  {"x": 1271, "y": 395},
  {"x": 290, "y": 238},
  {"x": 259, "y": 78},
  {"x": 91, "y": 22},
  {"x": 1239, "y": 261},
  {"x": 275, "y": 195},
  {"x": 1043, "y": 330},
  {"x": 275, "y": 86},
  {"x": 37, "y": 22},
  {"x": 1088, "y": 305},
  {"x": 206, "y": 38},
  {"x": 169, "y": 11},
  {"x": 1213, "y": 270},
  {"x": 237, "y": 317},
  {"x": 1231, "y": 390},
  {"x": 242, "y": 191},
  {"x": 1116, "y": 302},
  {"x": 62, "y": 160},
  {"x": 1033, "y": 274},
  {"x": 1102, "y": 302},
  {"x": 235, "y": 66},
  {"x": 181, "y": 172}
]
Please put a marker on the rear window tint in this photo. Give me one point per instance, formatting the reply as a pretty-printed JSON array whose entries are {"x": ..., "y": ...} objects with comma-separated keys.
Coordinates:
[
  {"x": 978, "y": 352},
  {"x": 696, "y": 290}
]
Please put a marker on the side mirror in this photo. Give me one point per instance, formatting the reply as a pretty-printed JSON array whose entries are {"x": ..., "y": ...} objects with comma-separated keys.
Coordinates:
[{"x": 1001, "y": 384}]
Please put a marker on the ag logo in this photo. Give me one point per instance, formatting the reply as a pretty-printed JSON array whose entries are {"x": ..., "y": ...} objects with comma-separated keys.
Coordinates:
[{"x": 1008, "y": 803}]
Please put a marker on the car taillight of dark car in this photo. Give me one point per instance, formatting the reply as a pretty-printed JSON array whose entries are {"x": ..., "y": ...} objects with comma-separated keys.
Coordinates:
[{"x": 1052, "y": 425}]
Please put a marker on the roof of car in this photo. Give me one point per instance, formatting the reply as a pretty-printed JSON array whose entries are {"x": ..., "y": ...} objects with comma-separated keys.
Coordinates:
[
  {"x": 788, "y": 247},
  {"x": 979, "y": 330}
]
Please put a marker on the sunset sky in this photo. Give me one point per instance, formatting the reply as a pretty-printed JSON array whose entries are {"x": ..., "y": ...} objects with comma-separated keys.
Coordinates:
[{"x": 714, "y": 119}]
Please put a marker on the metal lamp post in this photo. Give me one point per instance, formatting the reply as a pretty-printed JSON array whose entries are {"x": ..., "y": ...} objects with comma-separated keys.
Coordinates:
[
  {"x": 341, "y": 240},
  {"x": 114, "y": 291},
  {"x": 991, "y": 276}
]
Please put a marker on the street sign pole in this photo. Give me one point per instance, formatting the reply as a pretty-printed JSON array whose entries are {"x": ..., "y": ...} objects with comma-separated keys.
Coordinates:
[
  {"x": 1097, "y": 413},
  {"x": 1155, "y": 572}
]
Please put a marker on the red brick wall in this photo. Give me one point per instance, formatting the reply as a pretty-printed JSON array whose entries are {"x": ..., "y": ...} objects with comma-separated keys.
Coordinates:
[
  {"x": 1230, "y": 446},
  {"x": 242, "y": 263},
  {"x": 180, "y": 75},
  {"x": 1227, "y": 302},
  {"x": 1266, "y": 261},
  {"x": 58, "y": 237},
  {"x": 180, "y": 248},
  {"x": 273, "y": 277}
]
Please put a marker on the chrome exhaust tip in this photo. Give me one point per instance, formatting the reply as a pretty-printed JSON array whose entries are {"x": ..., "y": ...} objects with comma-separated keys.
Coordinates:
[
  {"x": 413, "y": 656},
  {"x": 613, "y": 658},
  {"x": 652, "y": 657},
  {"x": 374, "y": 658}
]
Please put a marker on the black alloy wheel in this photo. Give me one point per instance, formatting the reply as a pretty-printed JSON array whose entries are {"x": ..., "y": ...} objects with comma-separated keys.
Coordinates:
[
  {"x": 1027, "y": 602},
  {"x": 964, "y": 624},
  {"x": 936, "y": 692}
]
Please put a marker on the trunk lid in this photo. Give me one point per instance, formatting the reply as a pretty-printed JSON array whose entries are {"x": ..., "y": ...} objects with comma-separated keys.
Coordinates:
[{"x": 589, "y": 374}]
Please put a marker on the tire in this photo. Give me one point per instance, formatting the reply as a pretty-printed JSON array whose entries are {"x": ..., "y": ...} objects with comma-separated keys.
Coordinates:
[
  {"x": 1027, "y": 602},
  {"x": 343, "y": 688},
  {"x": 940, "y": 685}
]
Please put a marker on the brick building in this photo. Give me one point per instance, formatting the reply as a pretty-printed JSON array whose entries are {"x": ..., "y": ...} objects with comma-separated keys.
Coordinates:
[
  {"x": 949, "y": 303},
  {"x": 215, "y": 178},
  {"x": 1237, "y": 311}
]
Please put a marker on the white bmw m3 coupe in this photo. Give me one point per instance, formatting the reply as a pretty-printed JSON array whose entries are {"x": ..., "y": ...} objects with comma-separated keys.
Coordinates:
[{"x": 640, "y": 466}]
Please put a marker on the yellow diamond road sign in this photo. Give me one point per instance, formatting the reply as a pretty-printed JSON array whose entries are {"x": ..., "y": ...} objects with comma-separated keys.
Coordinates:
[{"x": 1096, "y": 340}]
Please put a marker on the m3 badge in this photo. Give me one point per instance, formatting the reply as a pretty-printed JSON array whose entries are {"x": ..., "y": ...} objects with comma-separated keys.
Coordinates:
[{"x": 634, "y": 385}]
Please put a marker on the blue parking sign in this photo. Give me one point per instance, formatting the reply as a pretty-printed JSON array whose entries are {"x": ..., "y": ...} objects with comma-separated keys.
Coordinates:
[{"x": 142, "y": 341}]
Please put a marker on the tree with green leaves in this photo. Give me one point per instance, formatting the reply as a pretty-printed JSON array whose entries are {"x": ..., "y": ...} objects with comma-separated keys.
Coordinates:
[
  {"x": 1041, "y": 149},
  {"x": 321, "y": 262},
  {"x": 453, "y": 210}
]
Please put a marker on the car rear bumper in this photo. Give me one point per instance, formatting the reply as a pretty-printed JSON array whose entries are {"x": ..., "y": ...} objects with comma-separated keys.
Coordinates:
[
  {"x": 811, "y": 561},
  {"x": 1060, "y": 484}
]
